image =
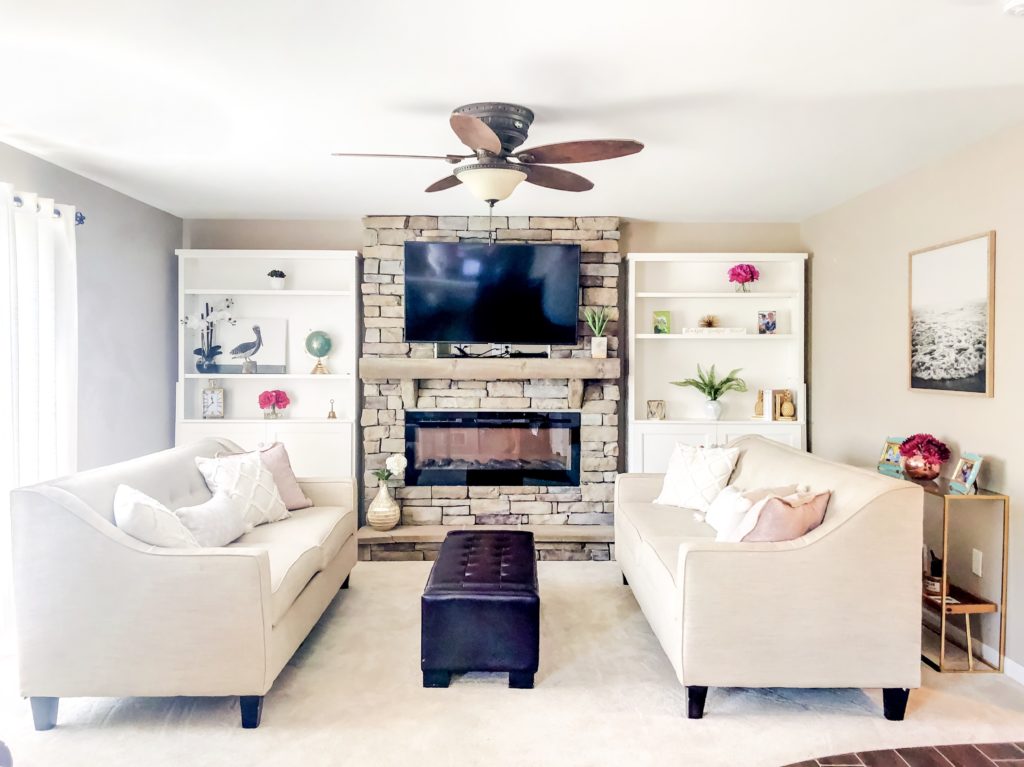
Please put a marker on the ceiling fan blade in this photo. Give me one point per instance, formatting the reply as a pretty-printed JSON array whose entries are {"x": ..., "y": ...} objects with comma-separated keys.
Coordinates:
[
  {"x": 556, "y": 178},
  {"x": 580, "y": 151},
  {"x": 445, "y": 183},
  {"x": 475, "y": 133},
  {"x": 452, "y": 158}
]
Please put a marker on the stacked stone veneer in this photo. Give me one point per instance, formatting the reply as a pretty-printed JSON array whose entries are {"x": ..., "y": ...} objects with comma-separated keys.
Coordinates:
[{"x": 383, "y": 416}]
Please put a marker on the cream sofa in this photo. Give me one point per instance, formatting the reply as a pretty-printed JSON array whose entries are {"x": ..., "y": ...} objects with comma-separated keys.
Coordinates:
[
  {"x": 839, "y": 607},
  {"x": 101, "y": 614}
]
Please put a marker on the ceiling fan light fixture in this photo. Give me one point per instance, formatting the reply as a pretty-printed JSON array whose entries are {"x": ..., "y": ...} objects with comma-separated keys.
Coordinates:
[{"x": 491, "y": 181}]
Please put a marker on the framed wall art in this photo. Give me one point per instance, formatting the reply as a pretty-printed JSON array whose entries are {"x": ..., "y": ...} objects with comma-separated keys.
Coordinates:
[{"x": 952, "y": 316}]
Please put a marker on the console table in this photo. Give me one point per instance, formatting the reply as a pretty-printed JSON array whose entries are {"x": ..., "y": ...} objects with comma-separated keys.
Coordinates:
[{"x": 965, "y": 603}]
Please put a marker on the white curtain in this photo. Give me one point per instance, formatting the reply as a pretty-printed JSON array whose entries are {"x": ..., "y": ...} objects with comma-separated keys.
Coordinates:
[{"x": 38, "y": 355}]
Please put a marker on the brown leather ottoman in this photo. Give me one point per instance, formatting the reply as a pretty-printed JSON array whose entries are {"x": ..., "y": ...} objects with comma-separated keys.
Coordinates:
[{"x": 481, "y": 608}]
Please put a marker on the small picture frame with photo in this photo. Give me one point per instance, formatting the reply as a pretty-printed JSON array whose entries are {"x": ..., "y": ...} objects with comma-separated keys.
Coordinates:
[
  {"x": 965, "y": 477},
  {"x": 767, "y": 322},
  {"x": 662, "y": 321},
  {"x": 890, "y": 462}
]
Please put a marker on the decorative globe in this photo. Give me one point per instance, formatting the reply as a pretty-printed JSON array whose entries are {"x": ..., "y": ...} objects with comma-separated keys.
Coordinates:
[{"x": 318, "y": 343}]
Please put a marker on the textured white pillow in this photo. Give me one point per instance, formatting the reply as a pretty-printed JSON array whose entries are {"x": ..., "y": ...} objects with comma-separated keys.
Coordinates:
[
  {"x": 216, "y": 522},
  {"x": 730, "y": 508},
  {"x": 696, "y": 475},
  {"x": 150, "y": 521},
  {"x": 244, "y": 478}
]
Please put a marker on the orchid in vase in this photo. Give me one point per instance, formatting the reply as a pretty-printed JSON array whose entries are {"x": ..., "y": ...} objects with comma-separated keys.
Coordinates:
[
  {"x": 205, "y": 323},
  {"x": 743, "y": 275},
  {"x": 922, "y": 456}
]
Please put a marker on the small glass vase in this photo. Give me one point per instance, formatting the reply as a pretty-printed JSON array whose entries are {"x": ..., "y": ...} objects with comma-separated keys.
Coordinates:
[
  {"x": 918, "y": 467},
  {"x": 742, "y": 287},
  {"x": 270, "y": 413}
]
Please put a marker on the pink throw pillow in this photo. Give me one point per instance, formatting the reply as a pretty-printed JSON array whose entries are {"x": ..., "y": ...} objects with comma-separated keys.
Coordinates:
[
  {"x": 275, "y": 458},
  {"x": 785, "y": 519}
]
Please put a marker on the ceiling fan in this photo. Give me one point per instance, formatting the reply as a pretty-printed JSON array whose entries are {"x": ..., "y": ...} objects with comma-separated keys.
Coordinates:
[{"x": 494, "y": 130}]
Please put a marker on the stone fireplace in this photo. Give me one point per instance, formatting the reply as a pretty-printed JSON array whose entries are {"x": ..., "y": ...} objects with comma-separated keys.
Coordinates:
[{"x": 392, "y": 403}]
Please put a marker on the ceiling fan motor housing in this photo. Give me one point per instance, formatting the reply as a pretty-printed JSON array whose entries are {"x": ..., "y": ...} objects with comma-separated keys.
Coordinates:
[{"x": 511, "y": 122}]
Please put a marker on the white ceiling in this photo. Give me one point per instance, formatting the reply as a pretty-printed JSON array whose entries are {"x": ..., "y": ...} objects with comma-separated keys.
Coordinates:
[{"x": 751, "y": 110}]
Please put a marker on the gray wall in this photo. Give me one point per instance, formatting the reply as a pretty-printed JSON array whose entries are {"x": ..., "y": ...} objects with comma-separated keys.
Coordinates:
[{"x": 127, "y": 309}]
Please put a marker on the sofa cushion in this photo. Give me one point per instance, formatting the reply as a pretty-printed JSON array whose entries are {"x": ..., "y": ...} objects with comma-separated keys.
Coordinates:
[
  {"x": 651, "y": 520},
  {"x": 299, "y": 547},
  {"x": 244, "y": 477},
  {"x": 696, "y": 475}
]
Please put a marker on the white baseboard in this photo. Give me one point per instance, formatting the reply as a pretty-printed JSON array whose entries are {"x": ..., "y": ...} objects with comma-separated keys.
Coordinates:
[{"x": 989, "y": 654}]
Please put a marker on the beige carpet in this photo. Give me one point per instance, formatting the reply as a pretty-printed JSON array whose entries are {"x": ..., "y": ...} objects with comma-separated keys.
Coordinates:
[{"x": 605, "y": 695}]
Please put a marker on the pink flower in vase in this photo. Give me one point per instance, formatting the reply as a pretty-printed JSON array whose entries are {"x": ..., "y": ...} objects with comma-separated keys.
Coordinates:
[
  {"x": 267, "y": 400},
  {"x": 743, "y": 274},
  {"x": 281, "y": 399}
]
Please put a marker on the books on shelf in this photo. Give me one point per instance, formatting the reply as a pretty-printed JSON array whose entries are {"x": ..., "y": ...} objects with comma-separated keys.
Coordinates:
[{"x": 712, "y": 331}]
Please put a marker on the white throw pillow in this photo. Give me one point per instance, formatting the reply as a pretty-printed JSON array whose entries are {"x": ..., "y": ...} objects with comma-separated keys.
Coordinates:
[
  {"x": 216, "y": 522},
  {"x": 150, "y": 521},
  {"x": 732, "y": 505},
  {"x": 696, "y": 475},
  {"x": 244, "y": 478}
]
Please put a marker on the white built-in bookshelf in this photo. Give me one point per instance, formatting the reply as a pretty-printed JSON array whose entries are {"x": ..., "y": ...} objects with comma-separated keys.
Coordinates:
[
  {"x": 690, "y": 286},
  {"x": 320, "y": 293}
]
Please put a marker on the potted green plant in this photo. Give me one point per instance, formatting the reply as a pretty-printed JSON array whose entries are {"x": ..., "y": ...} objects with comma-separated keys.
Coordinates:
[
  {"x": 276, "y": 277},
  {"x": 712, "y": 387},
  {"x": 597, "y": 320}
]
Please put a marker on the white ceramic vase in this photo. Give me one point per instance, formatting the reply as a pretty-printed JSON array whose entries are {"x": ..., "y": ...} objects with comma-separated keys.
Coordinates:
[
  {"x": 599, "y": 347},
  {"x": 276, "y": 283},
  {"x": 714, "y": 409},
  {"x": 384, "y": 512}
]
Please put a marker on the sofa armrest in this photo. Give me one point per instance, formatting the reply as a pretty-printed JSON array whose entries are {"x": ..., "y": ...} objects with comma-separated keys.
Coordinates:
[
  {"x": 840, "y": 608},
  {"x": 100, "y": 613},
  {"x": 331, "y": 492},
  {"x": 638, "y": 488}
]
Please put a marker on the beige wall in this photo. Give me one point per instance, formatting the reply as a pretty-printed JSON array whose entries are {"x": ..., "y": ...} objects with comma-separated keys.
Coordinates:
[
  {"x": 659, "y": 237},
  {"x": 859, "y": 364},
  {"x": 274, "y": 235}
]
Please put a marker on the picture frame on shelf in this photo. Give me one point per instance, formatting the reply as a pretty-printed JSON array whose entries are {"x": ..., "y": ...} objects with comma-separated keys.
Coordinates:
[
  {"x": 662, "y": 322},
  {"x": 952, "y": 316},
  {"x": 655, "y": 410},
  {"x": 965, "y": 476},
  {"x": 767, "y": 322},
  {"x": 890, "y": 462},
  {"x": 262, "y": 340}
]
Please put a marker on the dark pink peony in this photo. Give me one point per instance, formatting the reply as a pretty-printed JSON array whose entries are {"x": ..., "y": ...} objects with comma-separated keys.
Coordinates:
[{"x": 926, "y": 446}]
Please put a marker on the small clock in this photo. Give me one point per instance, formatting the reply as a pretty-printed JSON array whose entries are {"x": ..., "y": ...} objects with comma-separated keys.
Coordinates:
[{"x": 213, "y": 401}]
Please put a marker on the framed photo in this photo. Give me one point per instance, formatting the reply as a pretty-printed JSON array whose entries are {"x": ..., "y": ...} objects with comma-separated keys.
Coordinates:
[
  {"x": 890, "y": 461},
  {"x": 766, "y": 323},
  {"x": 662, "y": 322},
  {"x": 269, "y": 338},
  {"x": 655, "y": 410},
  {"x": 952, "y": 316},
  {"x": 966, "y": 473}
]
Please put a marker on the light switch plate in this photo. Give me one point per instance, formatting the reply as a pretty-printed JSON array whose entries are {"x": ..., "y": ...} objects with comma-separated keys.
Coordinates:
[{"x": 976, "y": 562}]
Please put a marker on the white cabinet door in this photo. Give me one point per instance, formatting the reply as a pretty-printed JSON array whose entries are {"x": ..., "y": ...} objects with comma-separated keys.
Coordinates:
[
  {"x": 791, "y": 434},
  {"x": 316, "y": 449},
  {"x": 651, "y": 445}
]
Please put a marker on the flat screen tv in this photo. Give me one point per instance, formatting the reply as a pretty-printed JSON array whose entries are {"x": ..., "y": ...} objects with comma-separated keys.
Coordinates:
[{"x": 501, "y": 293}]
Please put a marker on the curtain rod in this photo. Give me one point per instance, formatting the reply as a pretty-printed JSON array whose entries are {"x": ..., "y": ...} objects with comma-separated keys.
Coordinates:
[{"x": 79, "y": 216}]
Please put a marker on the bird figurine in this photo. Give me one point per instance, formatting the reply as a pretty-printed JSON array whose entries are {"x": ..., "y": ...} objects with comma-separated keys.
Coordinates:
[{"x": 245, "y": 351}]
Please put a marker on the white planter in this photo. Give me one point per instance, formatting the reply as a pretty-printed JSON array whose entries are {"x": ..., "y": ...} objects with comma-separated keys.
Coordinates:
[
  {"x": 383, "y": 512},
  {"x": 713, "y": 408},
  {"x": 276, "y": 283},
  {"x": 599, "y": 347}
]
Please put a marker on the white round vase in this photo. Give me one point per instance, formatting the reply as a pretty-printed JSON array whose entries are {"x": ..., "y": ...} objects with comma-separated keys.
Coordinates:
[
  {"x": 384, "y": 512},
  {"x": 714, "y": 409}
]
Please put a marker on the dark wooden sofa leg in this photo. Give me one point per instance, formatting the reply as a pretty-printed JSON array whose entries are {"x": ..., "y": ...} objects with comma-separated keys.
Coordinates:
[
  {"x": 894, "y": 703},
  {"x": 520, "y": 680},
  {"x": 344, "y": 583},
  {"x": 436, "y": 678},
  {"x": 252, "y": 710},
  {"x": 44, "y": 712},
  {"x": 624, "y": 581},
  {"x": 695, "y": 697}
]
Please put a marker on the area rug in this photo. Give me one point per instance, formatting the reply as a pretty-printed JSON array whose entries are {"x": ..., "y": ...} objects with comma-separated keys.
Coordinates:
[{"x": 605, "y": 695}]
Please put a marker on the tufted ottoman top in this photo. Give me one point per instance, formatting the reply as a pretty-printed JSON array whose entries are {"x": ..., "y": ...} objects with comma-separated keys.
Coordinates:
[{"x": 488, "y": 561}]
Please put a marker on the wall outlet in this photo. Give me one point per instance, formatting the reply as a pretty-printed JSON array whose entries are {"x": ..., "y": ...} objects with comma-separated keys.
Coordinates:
[{"x": 976, "y": 562}]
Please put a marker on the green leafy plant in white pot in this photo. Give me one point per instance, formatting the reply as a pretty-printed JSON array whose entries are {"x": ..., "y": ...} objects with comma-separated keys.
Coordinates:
[
  {"x": 597, "y": 320},
  {"x": 712, "y": 387}
]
